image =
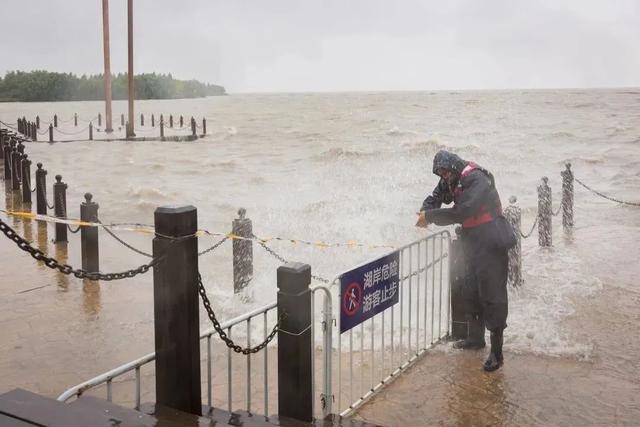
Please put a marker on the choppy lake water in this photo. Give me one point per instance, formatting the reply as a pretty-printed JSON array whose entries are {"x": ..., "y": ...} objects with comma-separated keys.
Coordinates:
[{"x": 333, "y": 168}]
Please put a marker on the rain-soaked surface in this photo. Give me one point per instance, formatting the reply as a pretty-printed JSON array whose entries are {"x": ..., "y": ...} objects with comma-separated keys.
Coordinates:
[{"x": 340, "y": 167}]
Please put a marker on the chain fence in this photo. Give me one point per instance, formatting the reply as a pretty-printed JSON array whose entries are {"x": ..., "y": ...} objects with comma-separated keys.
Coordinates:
[
  {"x": 223, "y": 335},
  {"x": 283, "y": 260},
  {"x": 605, "y": 196}
]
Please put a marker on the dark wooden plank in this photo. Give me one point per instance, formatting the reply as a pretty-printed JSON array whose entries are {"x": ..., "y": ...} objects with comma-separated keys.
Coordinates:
[
  {"x": 126, "y": 417},
  {"x": 9, "y": 421},
  {"x": 49, "y": 412}
]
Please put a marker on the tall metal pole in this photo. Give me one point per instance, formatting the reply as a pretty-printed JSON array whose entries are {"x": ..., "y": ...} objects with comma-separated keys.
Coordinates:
[
  {"x": 107, "y": 66},
  {"x": 130, "y": 132}
]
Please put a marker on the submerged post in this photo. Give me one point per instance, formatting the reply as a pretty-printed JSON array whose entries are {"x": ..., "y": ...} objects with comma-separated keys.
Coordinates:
[
  {"x": 204, "y": 126},
  {"x": 153, "y": 121},
  {"x": 161, "y": 128},
  {"x": 60, "y": 208},
  {"x": 50, "y": 133},
  {"x": 513, "y": 214},
  {"x": 458, "y": 271},
  {"x": 41, "y": 190},
  {"x": 171, "y": 120},
  {"x": 89, "y": 235},
  {"x": 175, "y": 295},
  {"x": 567, "y": 198},
  {"x": 193, "y": 126},
  {"x": 242, "y": 251},
  {"x": 16, "y": 157},
  {"x": 35, "y": 131},
  {"x": 99, "y": 120},
  {"x": 6, "y": 148},
  {"x": 122, "y": 120},
  {"x": 75, "y": 119},
  {"x": 25, "y": 164},
  {"x": 294, "y": 342},
  {"x": 544, "y": 213},
  {"x": 90, "y": 131},
  {"x": 181, "y": 121},
  {"x": 55, "y": 120},
  {"x": 141, "y": 119},
  {"x": 38, "y": 122}
]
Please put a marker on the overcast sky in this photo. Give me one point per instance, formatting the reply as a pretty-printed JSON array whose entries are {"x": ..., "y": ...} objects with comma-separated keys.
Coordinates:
[{"x": 337, "y": 45}]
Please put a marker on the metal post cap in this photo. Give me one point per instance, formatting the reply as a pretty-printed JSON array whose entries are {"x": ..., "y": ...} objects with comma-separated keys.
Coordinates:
[
  {"x": 88, "y": 197},
  {"x": 545, "y": 179},
  {"x": 59, "y": 178},
  {"x": 513, "y": 199},
  {"x": 242, "y": 212}
]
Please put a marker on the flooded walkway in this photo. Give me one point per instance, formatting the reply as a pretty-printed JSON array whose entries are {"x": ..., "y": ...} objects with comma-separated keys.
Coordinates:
[{"x": 449, "y": 387}]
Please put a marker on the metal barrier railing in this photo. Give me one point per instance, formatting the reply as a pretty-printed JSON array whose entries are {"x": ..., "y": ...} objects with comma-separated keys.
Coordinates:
[
  {"x": 108, "y": 377},
  {"x": 416, "y": 323}
]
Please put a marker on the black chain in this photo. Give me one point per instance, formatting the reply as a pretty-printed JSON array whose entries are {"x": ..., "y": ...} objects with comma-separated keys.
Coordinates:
[
  {"x": 223, "y": 335},
  {"x": 533, "y": 227},
  {"x": 224, "y": 239},
  {"x": 72, "y": 231},
  {"x": 283, "y": 260},
  {"x": 605, "y": 196},
  {"x": 122, "y": 242},
  {"x": 67, "y": 269}
]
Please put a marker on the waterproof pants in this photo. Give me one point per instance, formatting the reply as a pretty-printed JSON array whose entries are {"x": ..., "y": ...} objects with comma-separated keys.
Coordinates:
[{"x": 485, "y": 291}]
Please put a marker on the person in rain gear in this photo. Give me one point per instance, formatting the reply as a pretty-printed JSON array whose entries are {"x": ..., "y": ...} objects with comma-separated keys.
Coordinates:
[{"x": 476, "y": 205}]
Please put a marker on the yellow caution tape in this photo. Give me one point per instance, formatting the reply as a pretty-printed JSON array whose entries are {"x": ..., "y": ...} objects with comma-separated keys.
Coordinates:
[{"x": 141, "y": 228}]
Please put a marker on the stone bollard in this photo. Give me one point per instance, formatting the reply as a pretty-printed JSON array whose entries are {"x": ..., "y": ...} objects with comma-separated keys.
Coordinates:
[
  {"x": 19, "y": 125},
  {"x": 89, "y": 235},
  {"x": 20, "y": 147},
  {"x": 513, "y": 215},
  {"x": 50, "y": 133},
  {"x": 41, "y": 190},
  {"x": 37, "y": 122},
  {"x": 170, "y": 120},
  {"x": 193, "y": 126},
  {"x": 6, "y": 148},
  {"x": 16, "y": 157},
  {"x": 121, "y": 119},
  {"x": 75, "y": 119},
  {"x": 55, "y": 120},
  {"x": 242, "y": 251},
  {"x": 176, "y": 309},
  {"x": 35, "y": 132},
  {"x": 567, "y": 198},
  {"x": 99, "y": 120},
  {"x": 161, "y": 128},
  {"x": 60, "y": 208},
  {"x": 544, "y": 213},
  {"x": 459, "y": 274},
  {"x": 153, "y": 121},
  {"x": 25, "y": 166},
  {"x": 90, "y": 131},
  {"x": 294, "y": 342},
  {"x": 181, "y": 121},
  {"x": 204, "y": 126}
]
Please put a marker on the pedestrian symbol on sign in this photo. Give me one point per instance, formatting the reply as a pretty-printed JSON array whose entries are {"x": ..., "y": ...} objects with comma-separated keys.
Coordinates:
[{"x": 352, "y": 299}]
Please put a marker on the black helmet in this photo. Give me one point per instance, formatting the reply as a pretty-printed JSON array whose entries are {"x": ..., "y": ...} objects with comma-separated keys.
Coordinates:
[{"x": 446, "y": 160}]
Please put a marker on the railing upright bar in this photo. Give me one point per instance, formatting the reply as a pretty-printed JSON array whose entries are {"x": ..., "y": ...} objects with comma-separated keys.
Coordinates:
[
  {"x": 409, "y": 318},
  {"x": 383, "y": 349},
  {"x": 209, "y": 385},
  {"x": 401, "y": 298},
  {"x": 313, "y": 355},
  {"x": 418, "y": 303},
  {"x": 350, "y": 365},
  {"x": 249, "y": 366},
  {"x": 393, "y": 310},
  {"x": 137, "y": 387},
  {"x": 433, "y": 284},
  {"x": 229, "y": 372},
  {"x": 266, "y": 370},
  {"x": 440, "y": 297},
  {"x": 373, "y": 358},
  {"x": 426, "y": 290},
  {"x": 109, "y": 389},
  {"x": 361, "y": 358}
]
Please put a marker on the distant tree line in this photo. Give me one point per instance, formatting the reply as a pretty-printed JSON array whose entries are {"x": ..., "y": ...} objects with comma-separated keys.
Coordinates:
[{"x": 47, "y": 86}]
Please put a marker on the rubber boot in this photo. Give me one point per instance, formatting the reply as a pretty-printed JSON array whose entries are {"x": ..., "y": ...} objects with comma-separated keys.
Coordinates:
[
  {"x": 475, "y": 339},
  {"x": 495, "y": 359}
]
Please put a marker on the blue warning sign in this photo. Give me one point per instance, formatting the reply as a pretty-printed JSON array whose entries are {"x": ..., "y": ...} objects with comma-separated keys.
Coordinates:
[{"x": 368, "y": 290}]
